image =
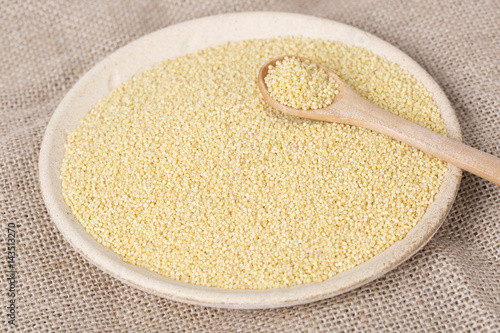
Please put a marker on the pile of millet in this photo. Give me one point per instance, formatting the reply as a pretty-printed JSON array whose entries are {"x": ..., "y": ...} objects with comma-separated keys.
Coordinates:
[
  {"x": 300, "y": 84},
  {"x": 186, "y": 171}
]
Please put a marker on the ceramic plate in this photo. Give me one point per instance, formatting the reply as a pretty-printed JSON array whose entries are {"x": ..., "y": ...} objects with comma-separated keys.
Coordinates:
[{"x": 189, "y": 37}]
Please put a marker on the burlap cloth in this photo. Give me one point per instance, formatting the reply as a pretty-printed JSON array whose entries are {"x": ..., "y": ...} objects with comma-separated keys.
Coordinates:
[{"x": 453, "y": 284}]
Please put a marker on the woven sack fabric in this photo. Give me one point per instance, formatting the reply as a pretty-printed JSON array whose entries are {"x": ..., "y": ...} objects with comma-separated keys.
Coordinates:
[{"x": 452, "y": 284}]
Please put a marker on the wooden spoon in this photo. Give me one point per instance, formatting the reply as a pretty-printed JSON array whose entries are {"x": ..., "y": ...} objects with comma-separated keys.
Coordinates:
[{"x": 348, "y": 107}]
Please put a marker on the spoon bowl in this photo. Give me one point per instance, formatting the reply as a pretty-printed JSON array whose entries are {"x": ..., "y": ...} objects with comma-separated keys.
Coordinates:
[{"x": 348, "y": 107}]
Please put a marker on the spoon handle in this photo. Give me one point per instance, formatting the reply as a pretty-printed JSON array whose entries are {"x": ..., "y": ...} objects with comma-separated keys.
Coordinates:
[{"x": 452, "y": 151}]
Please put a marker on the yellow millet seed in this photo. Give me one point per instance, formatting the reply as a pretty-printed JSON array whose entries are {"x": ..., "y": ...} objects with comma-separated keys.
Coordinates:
[
  {"x": 186, "y": 171},
  {"x": 300, "y": 84}
]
